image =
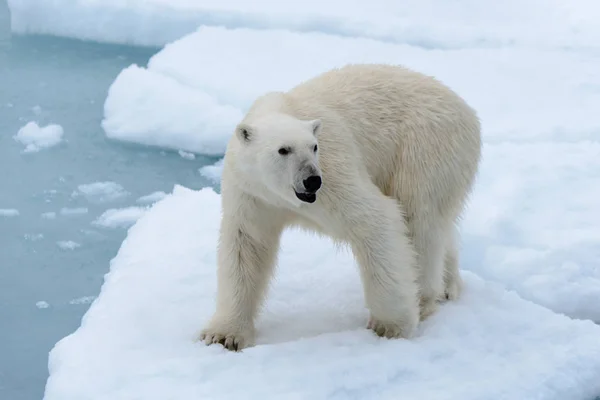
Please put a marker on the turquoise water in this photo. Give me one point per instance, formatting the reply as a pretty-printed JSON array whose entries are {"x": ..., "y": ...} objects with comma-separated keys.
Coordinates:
[{"x": 50, "y": 80}]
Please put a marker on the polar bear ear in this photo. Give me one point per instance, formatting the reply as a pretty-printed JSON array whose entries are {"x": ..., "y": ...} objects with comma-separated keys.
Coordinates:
[
  {"x": 244, "y": 132},
  {"x": 316, "y": 126}
]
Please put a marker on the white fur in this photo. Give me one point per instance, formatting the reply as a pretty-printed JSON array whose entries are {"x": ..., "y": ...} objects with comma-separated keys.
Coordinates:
[{"x": 398, "y": 155}]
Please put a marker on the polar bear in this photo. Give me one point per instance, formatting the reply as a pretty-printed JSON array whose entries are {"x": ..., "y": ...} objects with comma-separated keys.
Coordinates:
[{"x": 378, "y": 157}]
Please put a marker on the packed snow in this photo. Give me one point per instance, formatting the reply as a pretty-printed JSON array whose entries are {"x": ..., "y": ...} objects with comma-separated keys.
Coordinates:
[
  {"x": 430, "y": 23},
  {"x": 120, "y": 217},
  {"x": 533, "y": 222},
  {"x": 36, "y": 138},
  {"x": 138, "y": 338},
  {"x": 9, "y": 212},
  {"x": 101, "y": 192},
  {"x": 152, "y": 197}
]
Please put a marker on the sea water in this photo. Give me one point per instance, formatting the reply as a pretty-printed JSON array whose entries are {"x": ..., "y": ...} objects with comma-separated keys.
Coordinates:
[{"x": 52, "y": 255}]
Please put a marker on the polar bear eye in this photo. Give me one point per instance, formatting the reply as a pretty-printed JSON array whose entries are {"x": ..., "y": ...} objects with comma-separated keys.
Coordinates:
[
  {"x": 283, "y": 151},
  {"x": 315, "y": 148}
]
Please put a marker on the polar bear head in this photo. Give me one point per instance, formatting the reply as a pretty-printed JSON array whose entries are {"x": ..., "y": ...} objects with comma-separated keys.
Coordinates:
[{"x": 280, "y": 153}]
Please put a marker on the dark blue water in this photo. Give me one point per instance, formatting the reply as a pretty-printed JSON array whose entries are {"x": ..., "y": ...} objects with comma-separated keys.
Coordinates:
[{"x": 51, "y": 80}]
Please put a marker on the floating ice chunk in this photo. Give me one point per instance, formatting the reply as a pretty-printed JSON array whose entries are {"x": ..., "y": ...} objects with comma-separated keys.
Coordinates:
[
  {"x": 152, "y": 197},
  {"x": 42, "y": 304},
  {"x": 36, "y": 138},
  {"x": 120, "y": 217},
  {"x": 186, "y": 155},
  {"x": 101, "y": 192},
  {"x": 312, "y": 342},
  {"x": 9, "y": 212},
  {"x": 213, "y": 172},
  {"x": 68, "y": 244},
  {"x": 82, "y": 300},
  {"x": 49, "y": 215},
  {"x": 33, "y": 237}
]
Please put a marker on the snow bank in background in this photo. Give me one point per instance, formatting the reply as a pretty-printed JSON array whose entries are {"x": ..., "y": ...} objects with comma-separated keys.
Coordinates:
[
  {"x": 431, "y": 23},
  {"x": 312, "y": 340},
  {"x": 36, "y": 138},
  {"x": 101, "y": 192},
  {"x": 194, "y": 91},
  {"x": 152, "y": 197},
  {"x": 120, "y": 217},
  {"x": 213, "y": 172},
  {"x": 9, "y": 212},
  {"x": 166, "y": 113}
]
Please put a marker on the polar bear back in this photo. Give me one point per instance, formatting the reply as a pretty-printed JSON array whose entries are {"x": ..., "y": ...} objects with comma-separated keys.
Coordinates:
[{"x": 416, "y": 139}]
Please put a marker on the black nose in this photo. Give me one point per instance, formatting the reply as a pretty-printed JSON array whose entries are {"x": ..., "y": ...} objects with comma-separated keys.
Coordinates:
[{"x": 312, "y": 183}]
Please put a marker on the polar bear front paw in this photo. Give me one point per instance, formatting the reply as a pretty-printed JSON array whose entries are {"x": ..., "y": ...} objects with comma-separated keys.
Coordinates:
[
  {"x": 232, "y": 337},
  {"x": 454, "y": 286},
  {"x": 428, "y": 306},
  {"x": 391, "y": 329}
]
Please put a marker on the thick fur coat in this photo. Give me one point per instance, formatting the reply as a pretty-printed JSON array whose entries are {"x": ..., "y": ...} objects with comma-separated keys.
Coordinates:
[{"x": 376, "y": 156}]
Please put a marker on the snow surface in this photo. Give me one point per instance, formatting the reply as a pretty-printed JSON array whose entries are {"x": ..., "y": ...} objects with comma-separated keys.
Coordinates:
[
  {"x": 120, "y": 217},
  {"x": 36, "y": 138},
  {"x": 137, "y": 339},
  {"x": 101, "y": 192},
  {"x": 9, "y": 212},
  {"x": 424, "y": 23}
]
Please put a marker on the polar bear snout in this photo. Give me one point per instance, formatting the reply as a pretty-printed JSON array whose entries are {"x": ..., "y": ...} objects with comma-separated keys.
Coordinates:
[
  {"x": 306, "y": 191},
  {"x": 312, "y": 183}
]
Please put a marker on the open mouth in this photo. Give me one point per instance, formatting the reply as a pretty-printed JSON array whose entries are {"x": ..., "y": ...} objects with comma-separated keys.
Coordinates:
[{"x": 306, "y": 197}]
